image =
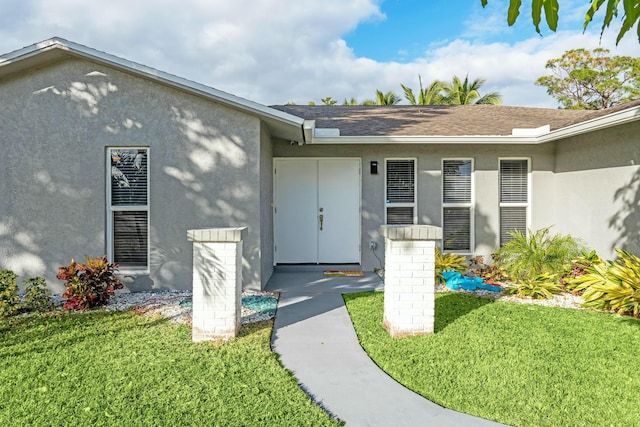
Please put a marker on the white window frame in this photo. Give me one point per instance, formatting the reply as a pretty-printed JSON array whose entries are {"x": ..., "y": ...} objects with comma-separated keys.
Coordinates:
[
  {"x": 413, "y": 204},
  {"x": 470, "y": 205},
  {"x": 120, "y": 208},
  {"x": 526, "y": 204}
]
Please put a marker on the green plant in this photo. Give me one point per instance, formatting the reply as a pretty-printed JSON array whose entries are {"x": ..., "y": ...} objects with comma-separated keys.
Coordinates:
[
  {"x": 526, "y": 257},
  {"x": 9, "y": 301},
  {"x": 614, "y": 285},
  {"x": 89, "y": 285},
  {"x": 449, "y": 262},
  {"x": 580, "y": 267},
  {"x": 37, "y": 296},
  {"x": 493, "y": 272},
  {"x": 540, "y": 287}
]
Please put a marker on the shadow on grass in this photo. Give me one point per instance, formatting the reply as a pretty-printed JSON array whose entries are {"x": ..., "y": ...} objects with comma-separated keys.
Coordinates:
[
  {"x": 45, "y": 332},
  {"x": 630, "y": 320},
  {"x": 449, "y": 306},
  {"x": 452, "y": 306}
]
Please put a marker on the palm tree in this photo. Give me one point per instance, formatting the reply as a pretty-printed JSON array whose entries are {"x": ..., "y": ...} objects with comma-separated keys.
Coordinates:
[
  {"x": 431, "y": 95},
  {"x": 388, "y": 98},
  {"x": 351, "y": 101},
  {"x": 328, "y": 101},
  {"x": 460, "y": 92}
]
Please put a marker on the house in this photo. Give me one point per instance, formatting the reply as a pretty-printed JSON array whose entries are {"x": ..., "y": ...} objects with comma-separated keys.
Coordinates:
[{"x": 103, "y": 155}]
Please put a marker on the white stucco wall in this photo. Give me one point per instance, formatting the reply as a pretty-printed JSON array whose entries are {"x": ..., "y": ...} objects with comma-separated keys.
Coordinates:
[{"x": 204, "y": 163}]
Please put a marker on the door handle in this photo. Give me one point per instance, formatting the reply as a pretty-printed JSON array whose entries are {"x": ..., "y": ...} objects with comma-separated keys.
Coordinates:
[{"x": 321, "y": 220}]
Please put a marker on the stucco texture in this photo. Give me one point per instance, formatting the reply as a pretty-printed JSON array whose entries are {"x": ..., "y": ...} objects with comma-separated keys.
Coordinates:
[
  {"x": 597, "y": 183},
  {"x": 429, "y": 185},
  {"x": 204, "y": 168}
]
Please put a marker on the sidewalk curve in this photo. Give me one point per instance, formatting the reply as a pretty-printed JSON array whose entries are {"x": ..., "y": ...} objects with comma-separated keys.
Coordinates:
[{"x": 315, "y": 339}]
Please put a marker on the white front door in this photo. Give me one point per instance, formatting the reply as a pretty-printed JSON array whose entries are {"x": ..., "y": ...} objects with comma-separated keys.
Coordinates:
[{"x": 317, "y": 210}]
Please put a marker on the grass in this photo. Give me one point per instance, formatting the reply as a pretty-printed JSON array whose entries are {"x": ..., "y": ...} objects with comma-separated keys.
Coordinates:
[
  {"x": 98, "y": 368},
  {"x": 518, "y": 364}
]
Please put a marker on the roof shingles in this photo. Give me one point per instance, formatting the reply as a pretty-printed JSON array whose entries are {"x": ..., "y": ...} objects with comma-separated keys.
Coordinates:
[{"x": 438, "y": 120}]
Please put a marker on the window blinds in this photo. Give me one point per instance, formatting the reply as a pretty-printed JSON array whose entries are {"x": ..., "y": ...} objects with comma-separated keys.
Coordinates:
[
  {"x": 400, "y": 181},
  {"x": 128, "y": 177},
  {"x": 130, "y": 238},
  {"x": 400, "y": 191},
  {"x": 512, "y": 218},
  {"x": 399, "y": 215},
  {"x": 456, "y": 229},
  {"x": 513, "y": 181},
  {"x": 514, "y": 197},
  {"x": 456, "y": 205},
  {"x": 129, "y": 206},
  {"x": 456, "y": 177}
]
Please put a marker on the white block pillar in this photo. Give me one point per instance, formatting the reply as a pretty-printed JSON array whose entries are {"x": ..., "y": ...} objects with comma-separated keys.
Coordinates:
[
  {"x": 409, "y": 278},
  {"x": 217, "y": 282}
]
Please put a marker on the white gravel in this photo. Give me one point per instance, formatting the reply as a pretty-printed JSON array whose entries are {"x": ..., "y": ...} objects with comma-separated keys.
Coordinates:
[
  {"x": 562, "y": 300},
  {"x": 174, "y": 305}
]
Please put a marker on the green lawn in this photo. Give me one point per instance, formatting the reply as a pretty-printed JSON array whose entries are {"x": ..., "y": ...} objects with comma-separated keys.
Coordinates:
[
  {"x": 518, "y": 364},
  {"x": 125, "y": 369}
]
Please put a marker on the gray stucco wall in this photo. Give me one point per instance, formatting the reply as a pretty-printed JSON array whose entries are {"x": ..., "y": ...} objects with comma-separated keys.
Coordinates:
[
  {"x": 598, "y": 188},
  {"x": 429, "y": 185},
  {"x": 204, "y": 165}
]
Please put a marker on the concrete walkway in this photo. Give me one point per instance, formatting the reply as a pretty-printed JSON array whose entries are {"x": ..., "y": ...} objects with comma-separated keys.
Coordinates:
[{"x": 316, "y": 341}]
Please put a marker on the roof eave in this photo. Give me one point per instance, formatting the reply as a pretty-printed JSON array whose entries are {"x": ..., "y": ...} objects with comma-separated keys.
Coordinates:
[
  {"x": 424, "y": 139},
  {"x": 614, "y": 119}
]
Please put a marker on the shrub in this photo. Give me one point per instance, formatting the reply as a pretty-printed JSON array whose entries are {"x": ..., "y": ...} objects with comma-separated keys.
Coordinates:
[
  {"x": 540, "y": 287},
  {"x": 614, "y": 285},
  {"x": 449, "y": 262},
  {"x": 9, "y": 301},
  {"x": 89, "y": 285},
  {"x": 37, "y": 296},
  {"x": 493, "y": 272},
  {"x": 580, "y": 267},
  {"x": 527, "y": 257}
]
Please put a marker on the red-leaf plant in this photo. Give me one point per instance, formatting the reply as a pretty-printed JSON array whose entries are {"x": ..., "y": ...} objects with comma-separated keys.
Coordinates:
[{"x": 89, "y": 285}]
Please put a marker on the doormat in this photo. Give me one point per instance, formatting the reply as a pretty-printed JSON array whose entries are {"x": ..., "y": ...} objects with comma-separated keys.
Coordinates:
[{"x": 343, "y": 273}]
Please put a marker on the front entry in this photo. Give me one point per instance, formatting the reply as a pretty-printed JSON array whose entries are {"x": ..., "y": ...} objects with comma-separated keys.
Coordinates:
[{"x": 317, "y": 211}]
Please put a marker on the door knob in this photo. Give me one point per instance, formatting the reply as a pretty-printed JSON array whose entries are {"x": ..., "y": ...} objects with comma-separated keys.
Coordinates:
[{"x": 321, "y": 220}]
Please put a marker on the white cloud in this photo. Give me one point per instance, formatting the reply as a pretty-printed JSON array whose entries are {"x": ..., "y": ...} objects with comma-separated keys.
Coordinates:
[{"x": 274, "y": 51}]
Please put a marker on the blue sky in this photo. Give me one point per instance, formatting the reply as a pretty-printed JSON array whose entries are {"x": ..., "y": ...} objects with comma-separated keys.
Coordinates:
[
  {"x": 278, "y": 51},
  {"x": 409, "y": 28}
]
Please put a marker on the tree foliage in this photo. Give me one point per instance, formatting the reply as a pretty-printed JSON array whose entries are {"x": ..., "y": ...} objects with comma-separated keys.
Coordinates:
[
  {"x": 456, "y": 92},
  {"x": 383, "y": 98},
  {"x": 592, "y": 80},
  {"x": 630, "y": 17},
  {"x": 431, "y": 95},
  {"x": 464, "y": 92}
]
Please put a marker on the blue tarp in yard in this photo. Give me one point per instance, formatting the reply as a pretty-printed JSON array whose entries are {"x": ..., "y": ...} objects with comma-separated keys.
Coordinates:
[{"x": 454, "y": 280}]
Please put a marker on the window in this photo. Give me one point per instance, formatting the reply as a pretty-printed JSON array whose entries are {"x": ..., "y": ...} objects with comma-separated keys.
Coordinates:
[
  {"x": 128, "y": 208},
  {"x": 514, "y": 197},
  {"x": 457, "y": 212},
  {"x": 400, "y": 191}
]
